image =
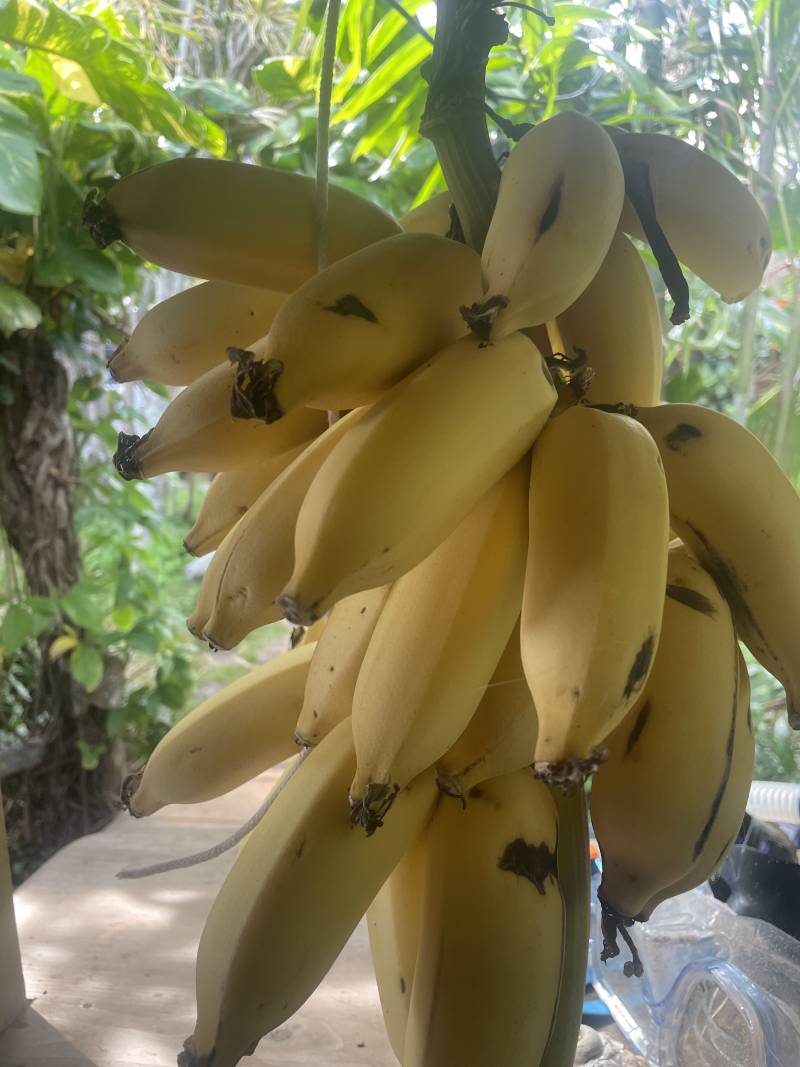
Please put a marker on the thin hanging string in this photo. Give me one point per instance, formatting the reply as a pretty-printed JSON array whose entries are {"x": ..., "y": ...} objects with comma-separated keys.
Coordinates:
[
  {"x": 323, "y": 129},
  {"x": 230, "y": 842}
]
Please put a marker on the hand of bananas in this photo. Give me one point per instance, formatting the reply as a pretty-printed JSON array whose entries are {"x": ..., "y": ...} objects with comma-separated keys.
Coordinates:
[{"x": 483, "y": 545}]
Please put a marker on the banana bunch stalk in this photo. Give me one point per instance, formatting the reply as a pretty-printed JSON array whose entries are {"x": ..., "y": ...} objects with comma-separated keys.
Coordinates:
[{"x": 482, "y": 546}]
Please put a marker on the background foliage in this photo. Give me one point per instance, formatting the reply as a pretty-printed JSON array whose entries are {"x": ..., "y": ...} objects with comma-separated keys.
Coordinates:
[{"x": 94, "y": 89}]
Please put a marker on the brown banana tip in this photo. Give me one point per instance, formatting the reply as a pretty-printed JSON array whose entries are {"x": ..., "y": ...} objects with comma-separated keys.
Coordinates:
[
  {"x": 369, "y": 811},
  {"x": 569, "y": 775},
  {"x": 448, "y": 784},
  {"x": 302, "y": 742},
  {"x": 126, "y": 461},
  {"x": 793, "y": 713},
  {"x": 188, "y": 1057},
  {"x": 98, "y": 217},
  {"x": 253, "y": 391},
  {"x": 481, "y": 317},
  {"x": 296, "y": 613},
  {"x": 127, "y": 790},
  {"x": 612, "y": 923},
  {"x": 110, "y": 362}
]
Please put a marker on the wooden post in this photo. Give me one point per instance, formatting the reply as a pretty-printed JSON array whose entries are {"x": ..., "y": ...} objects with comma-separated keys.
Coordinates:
[{"x": 12, "y": 986}]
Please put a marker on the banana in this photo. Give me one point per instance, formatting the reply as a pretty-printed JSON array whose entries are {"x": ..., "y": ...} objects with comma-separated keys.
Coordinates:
[
  {"x": 228, "y": 498},
  {"x": 501, "y": 735},
  {"x": 237, "y": 733},
  {"x": 232, "y": 222},
  {"x": 559, "y": 203},
  {"x": 711, "y": 220},
  {"x": 355, "y": 329},
  {"x": 740, "y": 515},
  {"x": 313, "y": 632},
  {"x": 393, "y": 920},
  {"x": 731, "y": 809},
  {"x": 186, "y": 335},
  {"x": 614, "y": 328},
  {"x": 436, "y": 644},
  {"x": 332, "y": 677},
  {"x": 431, "y": 216},
  {"x": 196, "y": 432},
  {"x": 251, "y": 566},
  {"x": 294, "y": 895},
  {"x": 491, "y": 938},
  {"x": 421, "y": 458},
  {"x": 594, "y": 585}
]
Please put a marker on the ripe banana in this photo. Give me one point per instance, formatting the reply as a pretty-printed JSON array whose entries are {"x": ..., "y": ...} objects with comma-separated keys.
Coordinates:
[
  {"x": 237, "y": 733},
  {"x": 711, "y": 220},
  {"x": 402, "y": 480},
  {"x": 358, "y": 327},
  {"x": 651, "y": 825},
  {"x": 594, "y": 585},
  {"x": 559, "y": 203},
  {"x": 614, "y": 328},
  {"x": 255, "y": 559},
  {"x": 501, "y": 735},
  {"x": 186, "y": 335},
  {"x": 196, "y": 432},
  {"x": 271, "y": 936},
  {"x": 436, "y": 644},
  {"x": 731, "y": 809},
  {"x": 232, "y": 222},
  {"x": 491, "y": 935},
  {"x": 393, "y": 920},
  {"x": 332, "y": 677},
  {"x": 228, "y": 498},
  {"x": 748, "y": 541},
  {"x": 432, "y": 216}
]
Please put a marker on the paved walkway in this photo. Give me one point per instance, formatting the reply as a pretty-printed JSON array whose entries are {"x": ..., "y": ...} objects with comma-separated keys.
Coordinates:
[{"x": 109, "y": 964}]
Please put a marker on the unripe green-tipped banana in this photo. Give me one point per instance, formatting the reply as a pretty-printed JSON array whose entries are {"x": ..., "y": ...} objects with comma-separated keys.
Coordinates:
[
  {"x": 231, "y": 737},
  {"x": 491, "y": 938},
  {"x": 711, "y": 220},
  {"x": 334, "y": 670},
  {"x": 594, "y": 585},
  {"x": 435, "y": 647},
  {"x": 357, "y": 328},
  {"x": 196, "y": 432},
  {"x": 232, "y": 222},
  {"x": 559, "y": 203},
  {"x": 749, "y": 541},
  {"x": 299, "y": 886},
  {"x": 186, "y": 335},
  {"x": 421, "y": 458}
]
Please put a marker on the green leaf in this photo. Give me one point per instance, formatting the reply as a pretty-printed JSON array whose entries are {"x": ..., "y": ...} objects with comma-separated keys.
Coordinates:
[
  {"x": 90, "y": 755},
  {"x": 275, "y": 78},
  {"x": 69, "y": 263},
  {"x": 16, "y": 628},
  {"x": 173, "y": 695},
  {"x": 579, "y": 12},
  {"x": 86, "y": 665},
  {"x": 14, "y": 83},
  {"x": 17, "y": 312},
  {"x": 20, "y": 180},
  {"x": 124, "y": 617},
  {"x": 82, "y": 604},
  {"x": 407, "y": 58},
  {"x": 125, "y": 75}
]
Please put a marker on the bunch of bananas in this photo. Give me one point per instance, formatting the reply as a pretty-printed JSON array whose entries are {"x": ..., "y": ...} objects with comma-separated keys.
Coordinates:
[{"x": 518, "y": 569}]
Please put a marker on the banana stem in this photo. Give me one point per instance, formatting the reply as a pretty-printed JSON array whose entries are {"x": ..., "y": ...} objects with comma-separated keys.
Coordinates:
[
  {"x": 574, "y": 879},
  {"x": 455, "y": 119}
]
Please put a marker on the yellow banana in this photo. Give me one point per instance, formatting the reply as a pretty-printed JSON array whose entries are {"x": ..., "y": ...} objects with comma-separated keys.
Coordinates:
[
  {"x": 731, "y": 809},
  {"x": 186, "y": 335},
  {"x": 594, "y": 585},
  {"x": 559, "y": 203},
  {"x": 237, "y": 733},
  {"x": 749, "y": 541},
  {"x": 332, "y": 677},
  {"x": 436, "y": 644},
  {"x": 270, "y": 937},
  {"x": 232, "y": 222},
  {"x": 313, "y": 632},
  {"x": 393, "y": 920},
  {"x": 651, "y": 825},
  {"x": 196, "y": 432},
  {"x": 358, "y": 327},
  {"x": 402, "y": 480},
  {"x": 615, "y": 326},
  {"x": 501, "y": 735},
  {"x": 255, "y": 559},
  {"x": 431, "y": 216},
  {"x": 228, "y": 498},
  {"x": 711, "y": 220},
  {"x": 489, "y": 963}
]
